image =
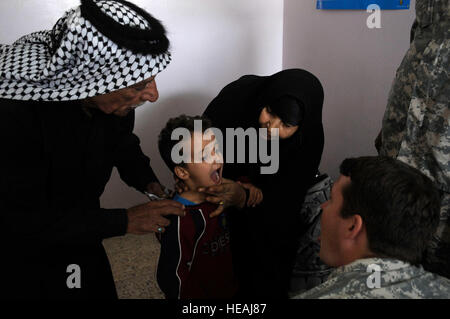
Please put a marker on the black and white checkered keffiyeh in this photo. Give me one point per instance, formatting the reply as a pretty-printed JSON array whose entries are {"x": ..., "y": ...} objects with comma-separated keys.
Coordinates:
[{"x": 74, "y": 60}]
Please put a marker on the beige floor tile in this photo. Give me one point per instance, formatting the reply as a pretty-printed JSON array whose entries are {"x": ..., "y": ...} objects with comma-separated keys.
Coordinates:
[{"x": 133, "y": 262}]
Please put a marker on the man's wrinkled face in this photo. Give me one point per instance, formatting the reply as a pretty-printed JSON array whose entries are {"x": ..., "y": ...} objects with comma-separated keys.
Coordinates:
[
  {"x": 333, "y": 226},
  {"x": 121, "y": 102}
]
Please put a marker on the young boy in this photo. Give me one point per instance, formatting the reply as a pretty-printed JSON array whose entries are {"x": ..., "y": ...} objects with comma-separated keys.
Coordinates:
[{"x": 195, "y": 260}]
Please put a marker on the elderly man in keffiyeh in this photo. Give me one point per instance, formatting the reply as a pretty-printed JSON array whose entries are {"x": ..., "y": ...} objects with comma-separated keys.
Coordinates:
[{"x": 67, "y": 99}]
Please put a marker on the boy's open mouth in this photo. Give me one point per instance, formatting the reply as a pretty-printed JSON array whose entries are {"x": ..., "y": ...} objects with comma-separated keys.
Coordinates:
[{"x": 216, "y": 176}]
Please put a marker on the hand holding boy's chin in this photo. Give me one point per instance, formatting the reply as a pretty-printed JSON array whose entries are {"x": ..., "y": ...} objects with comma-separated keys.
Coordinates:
[{"x": 226, "y": 194}]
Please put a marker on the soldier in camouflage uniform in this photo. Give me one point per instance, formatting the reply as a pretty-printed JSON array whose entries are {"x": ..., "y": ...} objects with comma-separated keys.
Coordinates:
[
  {"x": 375, "y": 229},
  {"x": 416, "y": 121},
  {"x": 381, "y": 278}
]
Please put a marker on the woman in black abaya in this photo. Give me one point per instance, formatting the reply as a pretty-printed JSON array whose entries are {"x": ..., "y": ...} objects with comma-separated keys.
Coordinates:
[{"x": 265, "y": 237}]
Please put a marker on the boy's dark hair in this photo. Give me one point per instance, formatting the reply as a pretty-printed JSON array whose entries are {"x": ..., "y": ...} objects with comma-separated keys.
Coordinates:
[
  {"x": 165, "y": 142},
  {"x": 398, "y": 204}
]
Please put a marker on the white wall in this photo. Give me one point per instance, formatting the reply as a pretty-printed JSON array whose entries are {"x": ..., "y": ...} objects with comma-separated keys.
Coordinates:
[
  {"x": 216, "y": 41},
  {"x": 213, "y": 43},
  {"x": 356, "y": 66}
]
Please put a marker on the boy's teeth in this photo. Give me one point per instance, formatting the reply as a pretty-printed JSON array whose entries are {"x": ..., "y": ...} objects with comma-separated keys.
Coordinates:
[{"x": 215, "y": 176}]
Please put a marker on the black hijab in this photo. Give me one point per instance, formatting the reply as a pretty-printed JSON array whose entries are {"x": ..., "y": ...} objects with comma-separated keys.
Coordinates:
[
  {"x": 240, "y": 103},
  {"x": 271, "y": 228}
]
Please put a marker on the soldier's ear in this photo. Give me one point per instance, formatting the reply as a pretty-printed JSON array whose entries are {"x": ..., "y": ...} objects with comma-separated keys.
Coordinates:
[{"x": 354, "y": 227}]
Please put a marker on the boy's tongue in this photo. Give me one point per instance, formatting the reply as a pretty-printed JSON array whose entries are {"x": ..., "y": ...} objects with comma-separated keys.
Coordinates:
[{"x": 215, "y": 177}]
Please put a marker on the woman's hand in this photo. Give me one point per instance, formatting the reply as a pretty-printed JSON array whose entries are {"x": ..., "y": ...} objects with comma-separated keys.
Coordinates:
[
  {"x": 227, "y": 194},
  {"x": 255, "y": 194}
]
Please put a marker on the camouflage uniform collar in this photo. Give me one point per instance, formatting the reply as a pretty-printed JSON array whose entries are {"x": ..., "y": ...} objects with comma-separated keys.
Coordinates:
[{"x": 363, "y": 265}]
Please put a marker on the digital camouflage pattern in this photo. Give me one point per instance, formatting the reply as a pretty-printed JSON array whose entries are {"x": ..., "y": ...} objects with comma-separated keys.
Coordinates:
[
  {"x": 416, "y": 123},
  {"x": 309, "y": 271},
  {"x": 397, "y": 280}
]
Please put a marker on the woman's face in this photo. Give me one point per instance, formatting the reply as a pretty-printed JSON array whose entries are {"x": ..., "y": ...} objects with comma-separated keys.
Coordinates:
[{"x": 269, "y": 120}]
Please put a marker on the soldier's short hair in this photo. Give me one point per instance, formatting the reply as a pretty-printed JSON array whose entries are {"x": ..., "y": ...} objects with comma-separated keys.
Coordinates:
[{"x": 398, "y": 204}]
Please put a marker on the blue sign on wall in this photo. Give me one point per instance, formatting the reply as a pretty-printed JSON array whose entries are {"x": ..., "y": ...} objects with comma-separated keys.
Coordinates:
[{"x": 362, "y": 4}]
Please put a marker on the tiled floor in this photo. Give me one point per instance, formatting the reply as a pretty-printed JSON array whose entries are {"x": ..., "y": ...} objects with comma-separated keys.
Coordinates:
[{"x": 133, "y": 261}]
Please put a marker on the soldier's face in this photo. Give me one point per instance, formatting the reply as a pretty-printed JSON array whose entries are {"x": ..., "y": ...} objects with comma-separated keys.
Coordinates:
[{"x": 333, "y": 226}]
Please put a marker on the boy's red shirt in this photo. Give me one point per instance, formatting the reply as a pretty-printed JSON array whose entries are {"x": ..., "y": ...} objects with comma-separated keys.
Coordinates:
[{"x": 195, "y": 260}]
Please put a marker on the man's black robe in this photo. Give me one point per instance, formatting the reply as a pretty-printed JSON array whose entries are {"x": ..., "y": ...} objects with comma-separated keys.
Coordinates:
[{"x": 56, "y": 160}]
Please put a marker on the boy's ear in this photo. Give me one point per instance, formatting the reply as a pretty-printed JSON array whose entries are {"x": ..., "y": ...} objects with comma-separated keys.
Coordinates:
[
  {"x": 181, "y": 173},
  {"x": 354, "y": 226}
]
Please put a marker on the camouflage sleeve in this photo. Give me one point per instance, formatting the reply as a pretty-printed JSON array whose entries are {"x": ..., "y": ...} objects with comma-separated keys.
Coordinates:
[
  {"x": 394, "y": 120},
  {"x": 430, "y": 24},
  {"x": 416, "y": 127},
  {"x": 426, "y": 144},
  {"x": 426, "y": 141}
]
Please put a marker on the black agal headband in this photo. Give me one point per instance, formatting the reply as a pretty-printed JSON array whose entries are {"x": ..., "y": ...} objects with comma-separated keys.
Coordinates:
[{"x": 148, "y": 40}]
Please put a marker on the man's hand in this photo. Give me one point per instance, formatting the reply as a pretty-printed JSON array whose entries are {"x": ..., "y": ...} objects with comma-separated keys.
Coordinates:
[
  {"x": 255, "y": 194},
  {"x": 148, "y": 218},
  {"x": 229, "y": 193},
  {"x": 157, "y": 189}
]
